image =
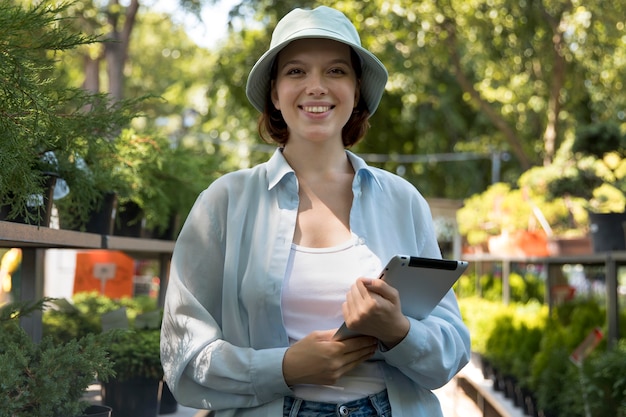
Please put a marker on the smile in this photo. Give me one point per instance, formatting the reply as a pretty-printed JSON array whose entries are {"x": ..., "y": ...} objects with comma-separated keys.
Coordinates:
[{"x": 316, "y": 109}]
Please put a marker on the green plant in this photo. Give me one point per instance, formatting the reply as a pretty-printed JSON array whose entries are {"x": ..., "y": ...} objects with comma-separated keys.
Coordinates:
[
  {"x": 533, "y": 345},
  {"x": 605, "y": 376},
  {"x": 595, "y": 168},
  {"x": 504, "y": 209},
  {"x": 65, "y": 320},
  {"x": 135, "y": 351},
  {"x": 515, "y": 338},
  {"x": 46, "y": 127},
  {"x": 161, "y": 179},
  {"x": 46, "y": 379},
  {"x": 135, "y": 354},
  {"x": 139, "y": 166}
]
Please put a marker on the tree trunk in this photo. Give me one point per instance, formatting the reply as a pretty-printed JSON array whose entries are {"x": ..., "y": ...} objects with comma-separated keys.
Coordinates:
[
  {"x": 551, "y": 132},
  {"x": 116, "y": 51},
  {"x": 91, "y": 82}
]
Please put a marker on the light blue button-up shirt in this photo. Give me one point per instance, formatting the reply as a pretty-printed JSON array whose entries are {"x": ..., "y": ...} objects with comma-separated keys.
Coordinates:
[{"x": 222, "y": 339}]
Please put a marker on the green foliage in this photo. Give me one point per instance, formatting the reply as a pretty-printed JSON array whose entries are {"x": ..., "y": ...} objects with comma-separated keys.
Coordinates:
[
  {"x": 479, "y": 316},
  {"x": 503, "y": 208},
  {"x": 40, "y": 117},
  {"x": 65, "y": 321},
  {"x": 135, "y": 353},
  {"x": 500, "y": 96},
  {"x": 525, "y": 288},
  {"x": 605, "y": 381},
  {"x": 516, "y": 338},
  {"x": 161, "y": 179},
  {"x": 523, "y": 340},
  {"x": 46, "y": 379},
  {"x": 595, "y": 169}
]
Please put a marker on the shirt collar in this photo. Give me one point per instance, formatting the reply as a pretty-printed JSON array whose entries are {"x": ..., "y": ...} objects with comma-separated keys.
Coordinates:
[
  {"x": 278, "y": 168},
  {"x": 361, "y": 169}
]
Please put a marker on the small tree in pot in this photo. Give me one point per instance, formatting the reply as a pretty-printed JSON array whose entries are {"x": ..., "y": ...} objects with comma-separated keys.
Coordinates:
[
  {"x": 596, "y": 173},
  {"x": 596, "y": 169},
  {"x": 46, "y": 127},
  {"x": 135, "y": 390},
  {"x": 46, "y": 379}
]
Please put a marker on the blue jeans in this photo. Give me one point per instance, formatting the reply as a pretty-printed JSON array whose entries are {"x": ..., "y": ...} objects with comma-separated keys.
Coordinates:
[{"x": 376, "y": 405}]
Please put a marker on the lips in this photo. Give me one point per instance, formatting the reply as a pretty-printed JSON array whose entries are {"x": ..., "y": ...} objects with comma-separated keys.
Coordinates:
[{"x": 317, "y": 109}]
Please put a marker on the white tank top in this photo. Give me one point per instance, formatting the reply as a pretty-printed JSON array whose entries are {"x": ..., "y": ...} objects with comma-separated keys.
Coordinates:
[{"x": 314, "y": 288}]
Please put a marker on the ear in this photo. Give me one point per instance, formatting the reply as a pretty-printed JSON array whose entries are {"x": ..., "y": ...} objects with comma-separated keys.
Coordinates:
[{"x": 274, "y": 95}]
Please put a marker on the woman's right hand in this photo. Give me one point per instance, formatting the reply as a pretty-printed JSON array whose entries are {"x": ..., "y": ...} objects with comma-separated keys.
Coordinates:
[{"x": 318, "y": 359}]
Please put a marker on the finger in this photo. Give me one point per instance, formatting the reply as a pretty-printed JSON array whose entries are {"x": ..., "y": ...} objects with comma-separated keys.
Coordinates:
[
  {"x": 380, "y": 287},
  {"x": 359, "y": 355}
]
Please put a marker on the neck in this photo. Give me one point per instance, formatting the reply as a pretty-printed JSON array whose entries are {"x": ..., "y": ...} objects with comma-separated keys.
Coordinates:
[{"x": 316, "y": 161}]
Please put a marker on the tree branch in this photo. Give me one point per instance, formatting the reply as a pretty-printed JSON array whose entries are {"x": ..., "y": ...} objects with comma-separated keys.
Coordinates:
[{"x": 467, "y": 86}]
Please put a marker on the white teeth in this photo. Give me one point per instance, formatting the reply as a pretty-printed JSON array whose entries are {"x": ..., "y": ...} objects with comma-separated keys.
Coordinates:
[{"x": 316, "y": 109}]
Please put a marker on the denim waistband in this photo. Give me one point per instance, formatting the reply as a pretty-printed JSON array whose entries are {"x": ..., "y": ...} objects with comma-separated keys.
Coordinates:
[{"x": 375, "y": 405}]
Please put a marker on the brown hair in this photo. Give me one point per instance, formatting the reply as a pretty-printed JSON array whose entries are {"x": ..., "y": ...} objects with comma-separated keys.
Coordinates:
[{"x": 273, "y": 128}]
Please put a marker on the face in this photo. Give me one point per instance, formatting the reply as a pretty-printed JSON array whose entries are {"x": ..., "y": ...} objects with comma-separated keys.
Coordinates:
[{"x": 315, "y": 89}]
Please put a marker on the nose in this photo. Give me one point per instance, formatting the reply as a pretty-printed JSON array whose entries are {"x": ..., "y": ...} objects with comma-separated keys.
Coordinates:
[{"x": 316, "y": 85}]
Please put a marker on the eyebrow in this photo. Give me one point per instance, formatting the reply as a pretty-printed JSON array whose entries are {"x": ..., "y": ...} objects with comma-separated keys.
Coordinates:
[{"x": 332, "y": 62}]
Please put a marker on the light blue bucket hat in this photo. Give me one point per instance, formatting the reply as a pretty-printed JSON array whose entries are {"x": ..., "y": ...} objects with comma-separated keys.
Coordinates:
[{"x": 324, "y": 23}]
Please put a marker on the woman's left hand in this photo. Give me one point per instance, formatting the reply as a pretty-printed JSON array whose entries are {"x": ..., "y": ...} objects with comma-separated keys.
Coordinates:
[{"x": 372, "y": 308}]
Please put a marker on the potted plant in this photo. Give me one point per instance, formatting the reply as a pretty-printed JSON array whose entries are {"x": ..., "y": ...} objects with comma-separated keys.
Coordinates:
[
  {"x": 512, "y": 219},
  {"x": 595, "y": 171},
  {"x": 160, "y": 182},
  {"x": 47, "y": 127},
  {"x": 189, "y": 170},
  {"x": 48, "y": 379},
  {"x": 91, "y": 203},
  {"x": 136, "y": 388},
  {"x": 138, "y": 166},
  {"x": 133, "y": 347}
]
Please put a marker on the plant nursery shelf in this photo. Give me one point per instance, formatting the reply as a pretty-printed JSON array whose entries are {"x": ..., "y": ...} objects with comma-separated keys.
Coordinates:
[
  {"x": 28, "y": 236},
  {"x": 35, "y": 240},
  {"x": 609, "y": 261}
]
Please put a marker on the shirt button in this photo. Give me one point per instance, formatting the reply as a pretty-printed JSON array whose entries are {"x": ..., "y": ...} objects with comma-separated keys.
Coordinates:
[
  {"x": 361, "y": 241},
  {"x": 343, "y": 411}
]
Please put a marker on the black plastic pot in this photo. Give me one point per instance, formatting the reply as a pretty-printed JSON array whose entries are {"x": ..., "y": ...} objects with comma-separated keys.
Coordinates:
[
  {"x": 41, "y": 211},
  {"x": 103, "y": 220},
  {"x": 509, "y": 387},
  {"x": 607, "y": 231},
  {"x": 97, "y": 411},
  {"x": 530, "y": 405},
  {"x": 129, "y": 221},
  {"x": 498, "y": 380},
  {"x": 134, "y": 397}
]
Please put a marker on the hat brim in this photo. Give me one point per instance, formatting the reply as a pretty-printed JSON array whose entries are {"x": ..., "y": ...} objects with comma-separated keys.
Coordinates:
[{"x": 373, "y": 78}]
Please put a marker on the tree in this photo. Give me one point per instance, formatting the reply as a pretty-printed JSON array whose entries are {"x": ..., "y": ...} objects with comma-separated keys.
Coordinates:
[
  {"x": 469, "y": 80},
  {"x": 469, "y": 77},
  {"x": 46, "y": 127}
]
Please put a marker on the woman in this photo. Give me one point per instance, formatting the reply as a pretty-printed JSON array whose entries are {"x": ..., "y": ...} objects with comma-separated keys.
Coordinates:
[{"x": 272, "y": 260}]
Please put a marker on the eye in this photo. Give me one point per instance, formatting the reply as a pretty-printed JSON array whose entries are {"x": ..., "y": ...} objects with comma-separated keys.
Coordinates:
[
  {"x": 338, "y": 71},
  {"x": 293, "y": 71}
]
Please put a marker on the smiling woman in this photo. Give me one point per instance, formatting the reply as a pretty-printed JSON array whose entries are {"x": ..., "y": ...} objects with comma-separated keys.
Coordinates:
[{"x": 273, "y": 259}]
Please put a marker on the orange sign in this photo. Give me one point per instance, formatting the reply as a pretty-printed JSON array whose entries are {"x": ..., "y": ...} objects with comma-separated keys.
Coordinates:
[{"x": 108, "y": 272}]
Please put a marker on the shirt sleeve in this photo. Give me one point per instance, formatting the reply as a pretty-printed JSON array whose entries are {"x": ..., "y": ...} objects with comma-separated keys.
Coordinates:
[
  {"x": 202, "y": 369},
  {"x": 437, "y": 347}
]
